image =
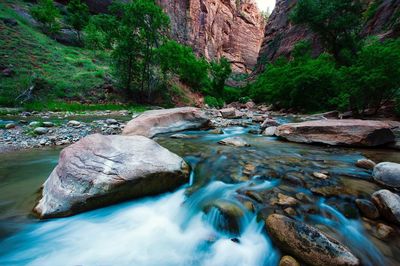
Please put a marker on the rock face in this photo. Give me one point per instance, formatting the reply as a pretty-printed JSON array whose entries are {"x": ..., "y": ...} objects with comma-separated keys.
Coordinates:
[
  {"x": 281, "y": 35},
  {"x": 155, "y": 122},
  {"x": 388, "y": 205},
  {"x": 308, "y": 243},
  {"x": 338, "y": 132},
  {"x": 101, "y": 170},
  {"x": 213, "y": 28},
  {"x": 387, "y": 174}
]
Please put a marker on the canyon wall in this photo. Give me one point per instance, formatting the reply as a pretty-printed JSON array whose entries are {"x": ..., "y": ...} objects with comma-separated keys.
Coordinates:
[{"x": 281, "y": 35}]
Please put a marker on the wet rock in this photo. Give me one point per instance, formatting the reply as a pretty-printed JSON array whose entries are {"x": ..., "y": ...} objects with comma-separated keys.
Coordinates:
[
  {"x": 384, "y": 232},
  {"x": 320, "y": 175},
  {"x": 387, "y": 174},
  {"x": 308, "y": 243},
  {"x": 111, "y": 121},
  {"x": 234, "y": 141},
  {"x": 217, "y": 131},
  {"x": 228, "y": 113},
  {"x": 35, "y": 124},
  {"x": 231, "y": 212},
  {"x": 366, "y": 164},
  {"x": 269, "y": 122},
  {"x": 367, "y": 208},
  {"x": 388, "y": 205},
  {"x": 101, "y": 170},
  {"x": 10, "y": 126},
  {"x": 183, "y": 136},
  {"x": 338, "y": 132},
  {"x": 48, "y": 124},
  {"x": 250, "y": 105},
  {"x": 329, "y": 191},
  {"x": 154, "y": 122},
  {"x": 290, "y": 211},
  {"x": 288, "y": 261},
  {"x": 74, "y": 123},
  {"x": 258, "y": 119},
  {"x": 41, "y": 130},
  {"x": 286, "y": 200},
  {"x": 270, "y": 131},
  {"x": 303, "y": 197},
  {"x": 254, "y": 195}
]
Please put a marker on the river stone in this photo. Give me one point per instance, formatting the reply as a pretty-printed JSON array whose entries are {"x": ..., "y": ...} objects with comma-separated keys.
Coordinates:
[
  {"x": 270, "y": 131},
  {"x": 384, "y": 232},
  {"x": 231, "y": 213},
  {"x": 234, "y": 141},
  {"x": 155, "y": 122},
  {"x": 229, "y": 113},
  {"x": 102, "y": 170},
  {"x": 269, "y": 122},
  {"x": 367, "y": 208},
  {"x": 388, "y": 205},
  {"x": 73, "y": 123},
  {"x": 366, "y": 164},
  {"x": 10, "y": 126},
  {"x": 35, "y": 124},
  {"x": 308, "y": 243},
  {"x": 41, "y": 130},
  {"x": 387, "y": 174},
  {"x": 367, "y": 133},
  {"x": 288, "y": 261},
  {"x": 48, "y": 124},
  {"x": 183, "y": 136}
]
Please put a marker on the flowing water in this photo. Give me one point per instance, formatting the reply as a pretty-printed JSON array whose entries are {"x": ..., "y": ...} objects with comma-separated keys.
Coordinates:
[{"x": 216, "y": 219}]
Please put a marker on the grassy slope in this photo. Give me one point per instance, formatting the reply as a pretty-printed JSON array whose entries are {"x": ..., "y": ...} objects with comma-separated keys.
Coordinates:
[{"x": 67, "y": 71}]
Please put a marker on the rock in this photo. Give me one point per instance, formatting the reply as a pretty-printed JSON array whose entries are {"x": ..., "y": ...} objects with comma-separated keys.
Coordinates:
[
  {"x": 367, "y": 209},
  {"x": 9, "y": 22},
  {"x": 384, "y": 232},
  {"x": 111, "y": 121},
  {"x": 41, "y": 130},
  {"x": 231, "y": 213},
  {"x": 320, "y": 175},
  {"x": 217, "y": 131},
  {"x": 155, "y": 122},
  {"x": 67, "y": 37},
  {"x": 270, "y": 131},
  {"x": 74, "y": 123},
  {"x": 269, "y": 122},
  {"x": 234, "y": 141},
  {"x": 258, "y": 119},
  {"x": 290, "y": 211},
  {"x": 286, "y": 200},
  {"x": 388, "y": 205},
  {"x": 10, "y": 126},
  {"x": 308, "y": 243},
  {"x": 228, "y": 113},
  {"x": 387, "y": 174},
  {"x": 48, "y": 124},
  {"x": 102, "y": 170},
  {"x": 288, "y": 261},
  {"x": 250, "y": 105},
  {"x": 183, "y": 136},
  {"x": 365, "y": 164},
  {"x": 35, "y": 124},
  {"x": 338, "y": 132}
]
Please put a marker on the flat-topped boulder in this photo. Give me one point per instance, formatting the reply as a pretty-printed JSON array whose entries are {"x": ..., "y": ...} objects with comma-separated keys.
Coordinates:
[
  {"x": 102, "y": 170},
  {"x": 367, "y": 133},
  {"x": 155, "y": 122}
]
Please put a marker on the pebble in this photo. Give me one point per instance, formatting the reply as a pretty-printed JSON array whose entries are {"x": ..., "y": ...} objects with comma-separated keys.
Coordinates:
[
  {"x": 10, "y": 126},
  {"x": 288, "y": 261},
  {"x": 48, "y": 124},
  {"x": 41, "y": 130},
  {"x": 73, "y": 123},
  {"x": 34, "y": 124},
  {"x": 320, "y": 175}
]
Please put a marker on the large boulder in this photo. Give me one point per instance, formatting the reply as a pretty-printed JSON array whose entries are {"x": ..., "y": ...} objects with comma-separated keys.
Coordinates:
[
  {"x": 102, "y": 170},
  {"x": 308, "y": 243},
  {"x": 155, "y": 122},
  {"x": 388, "y": 204},
  {"x": 338, "y": 132},
  {"x": 387, "y": 174}
]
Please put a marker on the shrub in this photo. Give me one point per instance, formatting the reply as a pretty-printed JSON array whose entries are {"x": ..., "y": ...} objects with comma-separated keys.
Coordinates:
[
  {"x": 78, "y": 16},
  {"x": 231, "y": 94},
  {"x": 48, "y": 15},
  {"x": 213, "y": 102}
]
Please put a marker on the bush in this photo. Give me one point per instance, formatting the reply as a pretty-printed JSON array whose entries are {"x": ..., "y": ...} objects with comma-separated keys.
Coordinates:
[
  {"x": 213, "y": 102},
  {"x": 231, "y": 94},
  {"x": 48, "y": 15}
]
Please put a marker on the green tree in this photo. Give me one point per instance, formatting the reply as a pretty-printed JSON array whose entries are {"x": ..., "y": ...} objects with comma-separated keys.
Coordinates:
[
  {"x": 48, "y": 15},
  {"x": 373, "y": 79},
  {"x": 336, "y": 22},
  {"x": 220, "y": 71},
  {"x": 133, "y": 31},
  {"x": 78, "y": 16},
  {"x": 180, "y": 60}
]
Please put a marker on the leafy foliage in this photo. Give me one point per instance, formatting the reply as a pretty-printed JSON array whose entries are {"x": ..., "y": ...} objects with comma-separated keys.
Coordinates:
[
  {"x": 48, "y": 15},
  {"x": 78, "y": 16},
  {"x": 213, "y": 102},
  {"x": 336, "y": 22},
  {"x": 220, "y": 71}
]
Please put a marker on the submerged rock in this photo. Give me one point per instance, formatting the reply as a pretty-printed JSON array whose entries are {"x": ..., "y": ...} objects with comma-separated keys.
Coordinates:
[
  {"x": 367, "y": 208},
  {"x": 231, "y": 214},
  {"x": 387, "y": 174},
  {"x": 338, "y": 132},
  {"x": 234, "y": 141},
  {"x": 366, "y": 164},
  {"x": 288, "y": 261},
  {"x": 308, "y": 243},
  {"x": 183, "y": 136},
  {"x": 388, "y": 205},
  {"x": 155, "y": 122},
  {"x": 101, "y": 170}
]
